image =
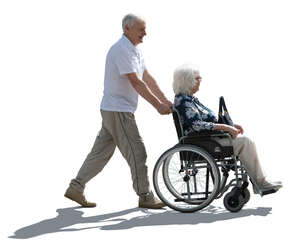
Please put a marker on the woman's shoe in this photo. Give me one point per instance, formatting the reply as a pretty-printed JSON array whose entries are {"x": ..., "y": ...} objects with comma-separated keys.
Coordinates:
[{"x": 267, "y": 185}]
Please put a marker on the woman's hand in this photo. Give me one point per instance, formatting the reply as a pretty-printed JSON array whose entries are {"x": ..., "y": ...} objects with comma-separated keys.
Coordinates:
[
  {"x": 241, "y": 130},
  {"x": 233, "y": 131}
]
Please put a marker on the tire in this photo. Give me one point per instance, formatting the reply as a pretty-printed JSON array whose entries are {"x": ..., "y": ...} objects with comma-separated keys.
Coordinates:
[
  {"x": 180, "y": 178},
  {"x": 233, "y": 202},
  {"x": 246, "y": 195}
]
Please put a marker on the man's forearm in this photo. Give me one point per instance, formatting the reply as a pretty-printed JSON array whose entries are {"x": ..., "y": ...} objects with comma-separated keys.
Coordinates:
[
  {"x": 142, "y": 88},
  {"x": 153, "y": 86}
]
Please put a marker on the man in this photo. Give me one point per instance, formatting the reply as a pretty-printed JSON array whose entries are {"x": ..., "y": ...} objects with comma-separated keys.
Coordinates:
[{"x": 125, "y": 77}]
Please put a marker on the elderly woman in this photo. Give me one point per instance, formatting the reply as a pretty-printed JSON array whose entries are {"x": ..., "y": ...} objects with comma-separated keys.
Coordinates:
[{"x": 195, "y": 117}]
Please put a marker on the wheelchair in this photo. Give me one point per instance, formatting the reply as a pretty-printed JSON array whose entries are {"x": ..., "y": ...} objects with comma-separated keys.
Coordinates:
[{"x": 194, "y": 172}]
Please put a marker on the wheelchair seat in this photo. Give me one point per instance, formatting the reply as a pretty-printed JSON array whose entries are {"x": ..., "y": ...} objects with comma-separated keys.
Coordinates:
[{"x": 206, "y": 139}]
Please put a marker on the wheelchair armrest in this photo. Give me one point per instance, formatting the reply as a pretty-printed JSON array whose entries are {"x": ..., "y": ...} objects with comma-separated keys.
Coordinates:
[{"x": 206, "y": 134}]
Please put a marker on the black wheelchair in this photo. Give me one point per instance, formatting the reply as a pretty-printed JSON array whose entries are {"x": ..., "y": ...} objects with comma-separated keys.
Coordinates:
[{"x": 187, "y": 177}]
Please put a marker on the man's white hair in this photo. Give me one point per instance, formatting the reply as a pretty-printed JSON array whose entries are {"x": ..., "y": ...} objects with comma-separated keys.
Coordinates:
[
  {"x": 184, "y": 78},
  {"x": 129, "y": 19}
]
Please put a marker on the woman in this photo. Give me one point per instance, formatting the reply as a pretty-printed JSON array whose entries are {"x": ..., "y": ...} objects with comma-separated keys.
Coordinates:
[{"x": 195, "y": 117}]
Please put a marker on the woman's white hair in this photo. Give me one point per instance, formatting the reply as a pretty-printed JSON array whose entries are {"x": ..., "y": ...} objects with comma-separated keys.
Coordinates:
[
  {"x": 184, "y": 78},
  {"x": 129, "y": 19}
]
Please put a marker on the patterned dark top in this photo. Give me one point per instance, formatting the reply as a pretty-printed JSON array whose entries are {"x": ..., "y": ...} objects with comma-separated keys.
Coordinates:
[{"x": 194, "y": 116}]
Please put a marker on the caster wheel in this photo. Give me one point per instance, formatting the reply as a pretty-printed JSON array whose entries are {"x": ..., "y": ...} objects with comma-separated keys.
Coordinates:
[
  {"x": 246, "y": 195},
  {"x": 233, "y": 203}
]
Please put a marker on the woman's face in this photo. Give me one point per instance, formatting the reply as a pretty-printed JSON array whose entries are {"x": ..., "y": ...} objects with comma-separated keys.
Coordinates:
[{"x": 196, "y": 87}]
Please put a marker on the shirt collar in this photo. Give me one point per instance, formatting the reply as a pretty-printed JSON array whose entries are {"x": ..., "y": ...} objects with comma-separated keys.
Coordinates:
[
  {"x": 191, "y": 97},
  {"x": 186, "y": 95},
  {"x": 128, "y": 43}
]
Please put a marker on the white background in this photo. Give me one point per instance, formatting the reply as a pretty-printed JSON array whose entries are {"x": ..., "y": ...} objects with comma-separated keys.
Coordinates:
[{"x": 52, "y": 56}]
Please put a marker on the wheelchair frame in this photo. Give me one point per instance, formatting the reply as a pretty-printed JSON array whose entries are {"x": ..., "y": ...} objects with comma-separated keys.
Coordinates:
[{"x": 191, "y": 155}]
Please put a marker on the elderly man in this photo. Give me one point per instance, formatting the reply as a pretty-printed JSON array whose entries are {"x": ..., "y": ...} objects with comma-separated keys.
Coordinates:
[{"x": 125, "y": 77}]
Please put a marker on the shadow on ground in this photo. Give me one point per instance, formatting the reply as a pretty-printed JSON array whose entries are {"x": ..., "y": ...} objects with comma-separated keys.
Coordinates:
[{"x": 68, "y": 217}]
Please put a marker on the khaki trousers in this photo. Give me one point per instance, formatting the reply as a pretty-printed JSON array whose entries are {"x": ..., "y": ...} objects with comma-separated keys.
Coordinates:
[
  {"x": 245, "y": 149},
  {"x": 118, "y": 129}
]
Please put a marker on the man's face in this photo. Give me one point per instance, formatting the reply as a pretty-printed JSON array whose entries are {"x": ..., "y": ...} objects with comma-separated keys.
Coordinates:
[{"x": 137, "y": 32}]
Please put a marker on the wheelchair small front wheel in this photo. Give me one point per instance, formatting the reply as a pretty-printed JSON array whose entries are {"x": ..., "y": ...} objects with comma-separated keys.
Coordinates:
[
  {"x": 246, "y": 195},
  {"x": 233, "y": 202}
]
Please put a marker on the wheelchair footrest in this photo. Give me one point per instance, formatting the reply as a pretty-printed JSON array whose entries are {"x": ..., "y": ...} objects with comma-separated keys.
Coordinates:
[{"x": 267, "y": 192}]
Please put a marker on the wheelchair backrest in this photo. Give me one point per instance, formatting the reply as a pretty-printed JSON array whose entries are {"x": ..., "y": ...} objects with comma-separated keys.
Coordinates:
[{"x": 176, "y": 119}]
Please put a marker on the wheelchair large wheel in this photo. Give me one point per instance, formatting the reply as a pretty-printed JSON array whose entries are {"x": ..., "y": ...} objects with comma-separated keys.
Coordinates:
[{"x": 186, "y": 178}]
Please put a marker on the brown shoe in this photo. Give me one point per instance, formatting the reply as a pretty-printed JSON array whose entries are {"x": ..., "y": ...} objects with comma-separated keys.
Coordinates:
[
  {"x": 149, "y": 201},
  {"x": 78, "y": 197}
]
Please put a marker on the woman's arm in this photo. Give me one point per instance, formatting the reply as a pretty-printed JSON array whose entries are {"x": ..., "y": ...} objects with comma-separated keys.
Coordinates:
[{"x": 232, "y": 130}]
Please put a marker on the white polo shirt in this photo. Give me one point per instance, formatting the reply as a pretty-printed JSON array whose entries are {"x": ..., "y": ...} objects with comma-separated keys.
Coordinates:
[{"x": 122, "y": 58}]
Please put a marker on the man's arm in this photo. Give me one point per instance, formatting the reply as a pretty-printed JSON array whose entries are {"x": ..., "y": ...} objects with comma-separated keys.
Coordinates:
[
  {"x": 141, "y": 87},
  {"x": 153, "y": 86}
]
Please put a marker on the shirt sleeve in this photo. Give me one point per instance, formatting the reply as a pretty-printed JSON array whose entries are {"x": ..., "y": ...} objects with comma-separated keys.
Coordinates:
[
  {"x": 195, "y": 121},
  {"x": 126, "y": 62},
  {"x": 144, "y": 64}
]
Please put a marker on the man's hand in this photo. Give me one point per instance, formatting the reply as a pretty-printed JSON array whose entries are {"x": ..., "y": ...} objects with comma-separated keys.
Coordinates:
[
  {"x": 169, "y": 104},
  {"x": 164, "y": 108}
]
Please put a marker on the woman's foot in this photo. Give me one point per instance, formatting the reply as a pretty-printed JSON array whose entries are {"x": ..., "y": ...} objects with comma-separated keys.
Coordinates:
[{"x": 266, "y": 185}]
